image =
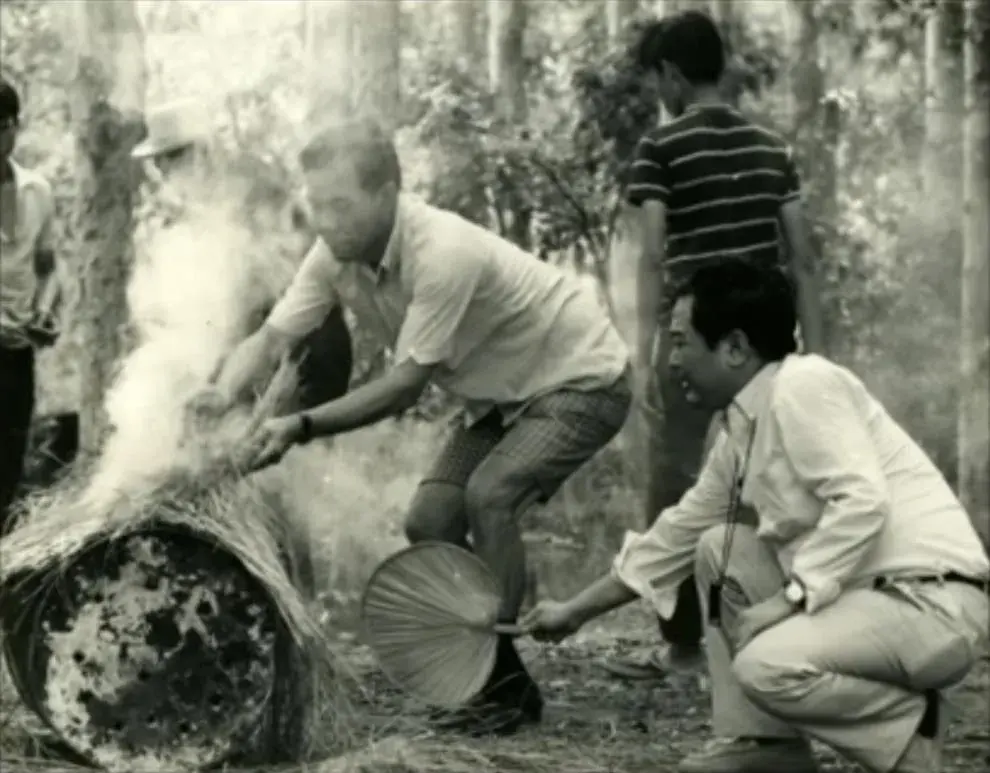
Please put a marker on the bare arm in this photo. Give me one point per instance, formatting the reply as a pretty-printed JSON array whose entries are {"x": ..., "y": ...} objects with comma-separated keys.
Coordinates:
[
  {"x": 252, "y": 362},
  {"x": 803, "y": 263},
  {"x": 306, "y": 303},
  {"x": 650, "y": 279}
]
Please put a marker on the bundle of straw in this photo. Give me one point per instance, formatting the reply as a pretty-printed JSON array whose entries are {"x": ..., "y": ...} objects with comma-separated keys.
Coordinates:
[{"x": 212, "y": 500}]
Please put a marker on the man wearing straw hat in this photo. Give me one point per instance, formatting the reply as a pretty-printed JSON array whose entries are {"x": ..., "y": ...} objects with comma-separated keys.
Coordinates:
[
  {"x": 29, "y": 295},
  {"x": 178, "y": 149},
  {"x": 529, "y": 348},
  {"x": 844, "y": 585}
]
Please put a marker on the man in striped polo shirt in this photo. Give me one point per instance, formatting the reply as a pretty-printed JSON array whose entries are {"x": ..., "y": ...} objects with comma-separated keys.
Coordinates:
[{"x": 709, "y": 184}]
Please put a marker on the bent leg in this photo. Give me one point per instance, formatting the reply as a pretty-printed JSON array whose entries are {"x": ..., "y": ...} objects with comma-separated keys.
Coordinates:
[
  {"x": 753, "y": 576},
  {"x": 554, "y": 436},
  {"x": 854, "y": 675},
  {"x": 437, "y": 511}
]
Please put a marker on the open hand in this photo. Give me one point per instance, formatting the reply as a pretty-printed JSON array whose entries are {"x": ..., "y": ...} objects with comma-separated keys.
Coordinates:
[
  {"x": 549, "y": 621},
  {"x": 272, "y": 440}
]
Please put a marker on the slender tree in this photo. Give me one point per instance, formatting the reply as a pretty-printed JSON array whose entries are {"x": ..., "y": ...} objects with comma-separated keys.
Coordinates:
[
  {"x": 107, "y": 103},
  {"x": 375, "y": 46},
  {"x": 974, "y": 413}
]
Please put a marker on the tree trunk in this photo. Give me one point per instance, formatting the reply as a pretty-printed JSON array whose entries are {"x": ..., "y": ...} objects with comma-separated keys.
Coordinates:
[
  {"x": 617, "y": 14},
  {"x": 375, "y": 50},
  {"x": 465, "y": 31},
  {"x": 943, "y": 100},
  {"x": 506, "y": 75},
  {"x": 974, "y": 413},
  {"x": 814, "y": 116},
  {"x": 107, "y": 102},
  {"x": 327, "y": 43}
]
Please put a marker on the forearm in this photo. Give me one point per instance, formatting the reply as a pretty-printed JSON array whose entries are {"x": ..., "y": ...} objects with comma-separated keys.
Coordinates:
[
  {"x": 649, "y": 299},
  {"x": 365, "y": 405},
  {"x": 809, "y": 306},
  {"x": 251, "y": 361},
  {"x": 601, "y": 597}
]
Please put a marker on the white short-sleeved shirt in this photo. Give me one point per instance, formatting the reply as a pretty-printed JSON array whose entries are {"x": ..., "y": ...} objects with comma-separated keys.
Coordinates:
[
  {"x": 19, "y": 246},
  {"x": 501, "y": 326}
]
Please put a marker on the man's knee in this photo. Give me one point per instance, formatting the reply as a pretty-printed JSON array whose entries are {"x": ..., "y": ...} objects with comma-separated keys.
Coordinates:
[
  {"x": 770, "y": 680},
  {"x": 492, "y": 500},
  {"x": 708, "y": 554},
  {"x": 436, "y": 513}
]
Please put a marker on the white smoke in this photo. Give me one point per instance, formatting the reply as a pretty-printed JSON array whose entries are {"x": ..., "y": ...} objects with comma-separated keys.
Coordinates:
[{"x": 194, "y": 286}]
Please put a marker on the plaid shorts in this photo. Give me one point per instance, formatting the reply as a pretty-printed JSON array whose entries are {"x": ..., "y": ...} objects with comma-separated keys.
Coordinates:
[{"x": 553, "y": 436}]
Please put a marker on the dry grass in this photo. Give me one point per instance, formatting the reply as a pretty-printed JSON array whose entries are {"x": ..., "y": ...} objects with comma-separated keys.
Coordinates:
[{"x": 347, "y": 499}]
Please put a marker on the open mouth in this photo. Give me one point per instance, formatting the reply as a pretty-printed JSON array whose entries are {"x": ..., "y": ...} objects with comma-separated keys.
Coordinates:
[{"x": 690, "y": 393}]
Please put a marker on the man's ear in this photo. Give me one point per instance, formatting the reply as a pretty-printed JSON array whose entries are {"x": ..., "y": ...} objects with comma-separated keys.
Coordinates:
[{"x": 737, "y": 347}]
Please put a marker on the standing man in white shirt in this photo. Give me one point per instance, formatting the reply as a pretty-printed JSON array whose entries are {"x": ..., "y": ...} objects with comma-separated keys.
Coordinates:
[
  {"x": 859, "y": 590},
  {"x": 29, "y": 295},
  {"x": 529, "y": 349}
]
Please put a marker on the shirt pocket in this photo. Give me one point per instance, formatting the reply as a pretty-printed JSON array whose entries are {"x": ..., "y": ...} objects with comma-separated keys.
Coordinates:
[{"x": 787, "y": 509}]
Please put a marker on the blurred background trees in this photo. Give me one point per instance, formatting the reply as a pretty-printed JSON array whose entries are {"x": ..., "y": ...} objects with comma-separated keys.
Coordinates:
[{"x": 522, "y": 115}]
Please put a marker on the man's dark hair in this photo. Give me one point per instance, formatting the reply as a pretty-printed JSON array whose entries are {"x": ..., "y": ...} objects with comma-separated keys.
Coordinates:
[
  {"x": 10, "y": 102},
  {"x": 736, "y": 294},
  {"x": 363, "y": 140},
  {"x": 690, "y": 40}
]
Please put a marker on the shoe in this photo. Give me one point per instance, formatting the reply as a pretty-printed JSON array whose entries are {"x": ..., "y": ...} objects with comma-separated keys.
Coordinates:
[
  {"x": 657, "y": 663},
  {"x": 509, "y": 700},
  {"x": 744, "y": 755}
]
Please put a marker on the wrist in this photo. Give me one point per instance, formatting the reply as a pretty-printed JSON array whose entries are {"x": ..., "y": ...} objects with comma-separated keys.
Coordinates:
[
  {"x": 575, "y": 613},
  {"x": 303, "y": 428}
]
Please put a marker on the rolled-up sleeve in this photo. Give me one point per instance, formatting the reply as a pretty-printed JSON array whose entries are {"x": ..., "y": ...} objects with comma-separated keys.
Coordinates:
[
  {"x": 310, "y": 296},
  {"x": 824, "y": 433},
  {"x": 653, "y": 564},
  {"x": 443, "y": 286}
]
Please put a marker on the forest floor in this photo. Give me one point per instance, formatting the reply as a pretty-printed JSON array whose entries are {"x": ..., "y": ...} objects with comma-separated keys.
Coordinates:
[{"x": 593, "y": 722}]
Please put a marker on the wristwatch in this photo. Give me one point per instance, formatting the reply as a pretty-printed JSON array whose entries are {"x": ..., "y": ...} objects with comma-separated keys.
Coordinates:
[{"x": 795, "y": 594}]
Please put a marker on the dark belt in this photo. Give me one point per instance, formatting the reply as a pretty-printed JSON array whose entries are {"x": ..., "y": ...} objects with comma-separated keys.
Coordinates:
[{"x": 883, "y": 582}]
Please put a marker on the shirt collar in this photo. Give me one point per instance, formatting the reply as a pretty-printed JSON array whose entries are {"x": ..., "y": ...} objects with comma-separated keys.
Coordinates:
[
  {"x": 390, "y": 258},
  {"x": 749, "y": 403}
]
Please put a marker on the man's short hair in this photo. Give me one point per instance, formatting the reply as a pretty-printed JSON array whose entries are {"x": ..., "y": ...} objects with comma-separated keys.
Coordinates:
[
  {"x": 690, "y": 40},
  {"x": 10, "y": 101},
  {"x": 737, "y": 294},
  {"x": 363, "y": 140}
]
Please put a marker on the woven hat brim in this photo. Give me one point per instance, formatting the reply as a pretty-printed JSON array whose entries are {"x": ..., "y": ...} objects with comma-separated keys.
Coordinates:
[{"x": 150, "y": 148}]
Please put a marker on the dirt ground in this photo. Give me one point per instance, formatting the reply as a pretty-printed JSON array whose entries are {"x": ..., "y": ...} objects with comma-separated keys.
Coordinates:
[
  {"x": 596, "y": 723},
  {"x": 593, "y": 723}
]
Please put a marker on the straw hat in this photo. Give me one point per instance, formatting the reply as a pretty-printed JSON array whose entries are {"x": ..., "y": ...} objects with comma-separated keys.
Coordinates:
[{"x": 173, "y": 125}]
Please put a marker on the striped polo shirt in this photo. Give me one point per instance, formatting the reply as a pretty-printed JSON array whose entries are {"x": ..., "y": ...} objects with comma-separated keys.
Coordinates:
[{"x": 722, "y": 180}]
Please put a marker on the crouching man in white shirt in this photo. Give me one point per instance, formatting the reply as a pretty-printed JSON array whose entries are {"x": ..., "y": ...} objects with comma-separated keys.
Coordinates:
[{"x": 857, "y": 592}]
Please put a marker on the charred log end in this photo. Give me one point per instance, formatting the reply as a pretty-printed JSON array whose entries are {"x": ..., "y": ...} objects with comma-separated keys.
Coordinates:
[{"x": 158, "y": 649}]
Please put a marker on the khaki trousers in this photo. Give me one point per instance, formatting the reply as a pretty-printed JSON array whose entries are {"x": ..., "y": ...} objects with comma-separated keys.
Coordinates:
[{"x": 853, "y": 674}]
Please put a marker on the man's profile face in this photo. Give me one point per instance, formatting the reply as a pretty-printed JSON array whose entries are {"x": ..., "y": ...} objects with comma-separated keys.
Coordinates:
[
  {"x": 696, "y": 368},
  {"x": 348, "y": 217}
]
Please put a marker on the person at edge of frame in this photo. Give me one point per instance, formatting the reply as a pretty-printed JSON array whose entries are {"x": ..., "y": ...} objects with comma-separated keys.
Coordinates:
[
  {"x": 30, "y": 296},
  {"x": 708, "y": 183}
]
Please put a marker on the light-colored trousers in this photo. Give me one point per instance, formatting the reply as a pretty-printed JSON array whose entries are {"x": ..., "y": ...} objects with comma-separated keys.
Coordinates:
[{"x": 853, "y": 674}]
